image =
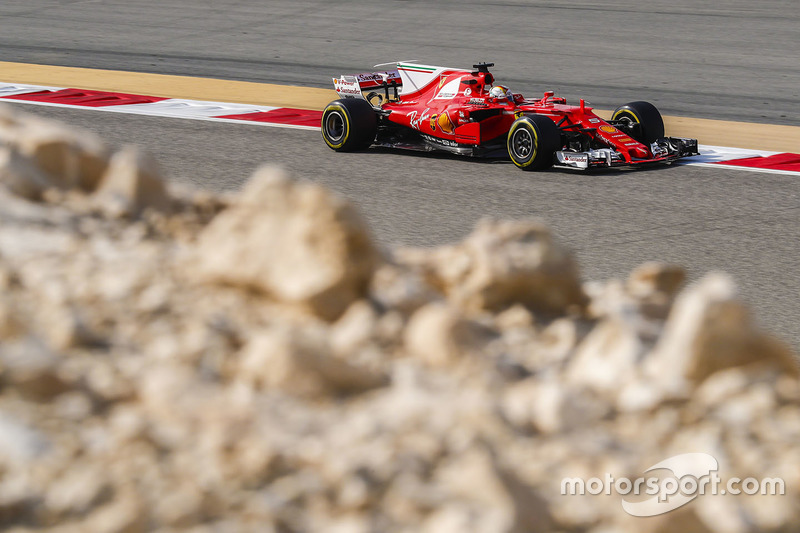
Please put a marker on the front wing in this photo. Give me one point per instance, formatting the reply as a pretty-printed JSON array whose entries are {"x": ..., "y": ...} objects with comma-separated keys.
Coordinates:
[{"x": 665, "y": 150}]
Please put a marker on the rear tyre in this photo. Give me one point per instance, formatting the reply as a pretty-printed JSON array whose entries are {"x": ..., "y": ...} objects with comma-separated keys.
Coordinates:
[
  {"x": 643, "y": 121},
  {"x": 349, "y": 124},
  {"x": 532, "y": 142}
]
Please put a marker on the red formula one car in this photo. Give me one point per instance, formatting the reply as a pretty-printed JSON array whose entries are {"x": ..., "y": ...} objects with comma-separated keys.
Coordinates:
[{"x": 421, "y": 107}]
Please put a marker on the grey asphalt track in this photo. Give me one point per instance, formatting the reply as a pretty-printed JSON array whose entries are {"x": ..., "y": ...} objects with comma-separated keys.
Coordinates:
[{"x": 693, "y": 61}]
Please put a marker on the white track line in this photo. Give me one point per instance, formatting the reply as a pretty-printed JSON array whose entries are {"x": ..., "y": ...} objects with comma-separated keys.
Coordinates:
[
  {"x": 174, "y": 107},
  {"x": 746, "y": 169},
  {"x": 11, "y": 89},
  {"x": 711, "y": 155}
]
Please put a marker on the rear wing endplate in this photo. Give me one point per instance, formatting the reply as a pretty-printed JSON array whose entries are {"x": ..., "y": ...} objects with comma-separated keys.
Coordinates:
[{"x": 352, "y": 86}]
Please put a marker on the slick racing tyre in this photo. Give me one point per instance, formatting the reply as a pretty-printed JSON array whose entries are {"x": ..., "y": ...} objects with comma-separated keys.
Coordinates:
[
  {"x": 532, "y": 141},
  {"x": 349, "y": 124},
  {"x": 643, "y": 121}
]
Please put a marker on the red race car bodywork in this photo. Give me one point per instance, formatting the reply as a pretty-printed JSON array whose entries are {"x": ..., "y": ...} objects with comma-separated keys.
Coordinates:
[{"x": 425, "y": 107}]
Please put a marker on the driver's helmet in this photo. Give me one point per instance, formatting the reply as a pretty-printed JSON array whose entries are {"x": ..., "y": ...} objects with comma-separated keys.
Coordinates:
[{"x": 501, "y": 92}]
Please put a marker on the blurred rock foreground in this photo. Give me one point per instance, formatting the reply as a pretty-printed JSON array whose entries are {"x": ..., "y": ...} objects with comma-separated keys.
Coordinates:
[{"x": 172, "y": 360}]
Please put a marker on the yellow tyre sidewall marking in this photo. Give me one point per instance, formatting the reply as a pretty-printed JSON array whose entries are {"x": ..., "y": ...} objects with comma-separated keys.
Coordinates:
[
  {"x": 631, "y": 113},
  {"x": 535, "y": 139},
  {"x": 343, "y": 112}
]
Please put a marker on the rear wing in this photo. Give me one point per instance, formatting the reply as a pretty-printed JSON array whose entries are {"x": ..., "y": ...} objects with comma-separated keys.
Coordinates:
[{"x": 353, "y": 86}]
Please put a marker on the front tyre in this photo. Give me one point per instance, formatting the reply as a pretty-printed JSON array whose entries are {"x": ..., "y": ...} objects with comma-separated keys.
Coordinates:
[
  {"x": 532, "y": 142},
  {"x": 349, "y": 124},
  {"x": 641, "y": 120}
]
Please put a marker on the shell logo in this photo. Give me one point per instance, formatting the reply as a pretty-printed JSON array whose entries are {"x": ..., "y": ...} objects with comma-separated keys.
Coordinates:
[
  {"x": 608, "y": 129},
  {"x": 445, "y": 124}
]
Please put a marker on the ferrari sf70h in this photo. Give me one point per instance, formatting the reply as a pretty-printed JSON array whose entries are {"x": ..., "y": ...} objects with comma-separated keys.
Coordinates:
[{"x": 422, "y": 107}]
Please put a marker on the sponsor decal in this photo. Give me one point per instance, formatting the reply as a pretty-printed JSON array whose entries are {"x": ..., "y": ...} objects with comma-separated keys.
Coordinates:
[
  {"x": 608, "y": 129},
  {"x": 518, "y": 114},
  {"x": 378, "y": 76},
  {"x": 368, "y": 80},
  {"x": 433, "y": 122},
  {"x": 348, "y": 89},
  {"x": 467, "y": 92},
  {"x": 449, "y": 91},
  {"x": 477, "y": 101},
  {"x": 576, "y": 158},
  {"x": 443, "y": 142},
  {"x": 445, "y": 124},
  {"x": 441, "y": 82},
  {"x": 594, "y": 120},
  {"x": 415, "y": 121},
  {"x": 625, "y": 139}
]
